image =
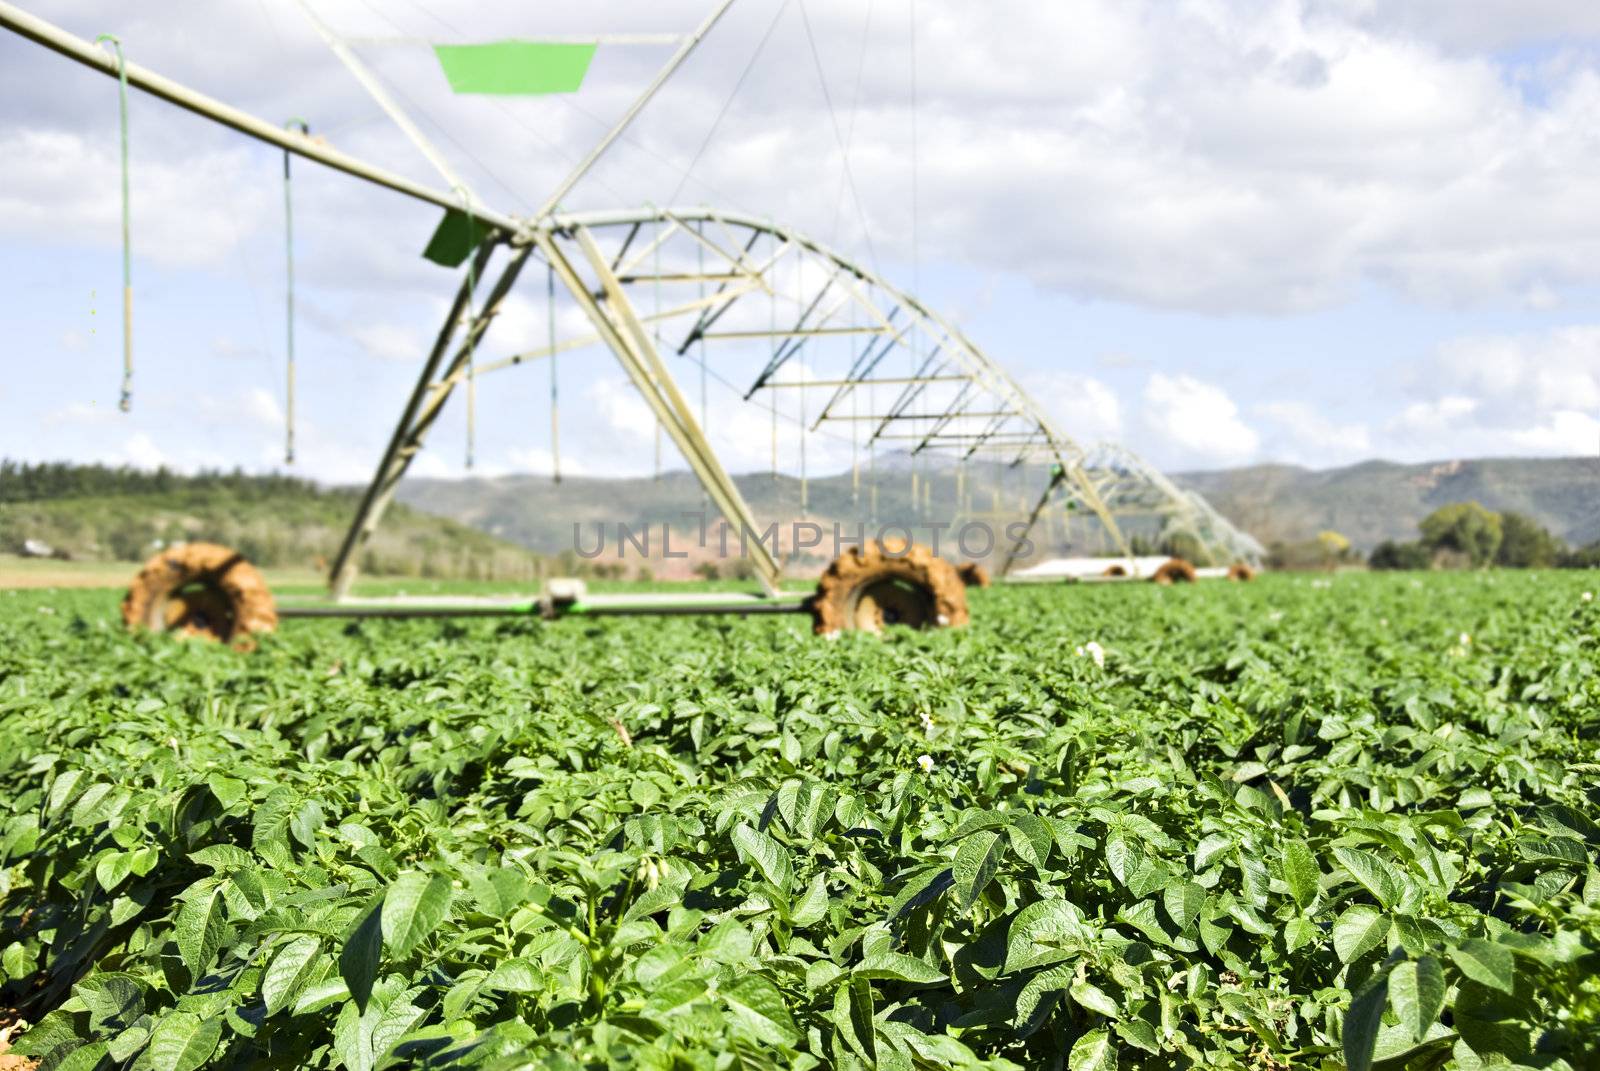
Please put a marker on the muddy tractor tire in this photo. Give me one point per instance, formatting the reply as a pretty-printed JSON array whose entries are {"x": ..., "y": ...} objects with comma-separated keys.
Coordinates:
[
  {"x": 201, "y": 589},
  {"x": 1174, "y": 571},
  {"x": 973, "y": 575},
  {"x": 869, "y": 588},
  {"x": 1241, "y": 572}
]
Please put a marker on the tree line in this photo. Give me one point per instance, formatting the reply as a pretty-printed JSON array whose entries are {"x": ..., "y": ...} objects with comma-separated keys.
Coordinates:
[
  {"x": 1467, "y": 535},
  {"x": 21, "y": 481}
]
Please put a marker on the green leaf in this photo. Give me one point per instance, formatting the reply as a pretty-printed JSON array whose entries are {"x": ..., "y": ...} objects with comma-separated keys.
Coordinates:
[
  {"x": 63, "y": 790},
  {"x": 222, "y": 857},
  {"x": 976, "y": 862},
  {"x": 1377, "y": 875},
  {"x": 320, "y": 995},
  {"x": 182, "y": 1041},
  {"x": 758, "y": 1005},
  {"x": 1139, "y": 1034},
  {"x": 1300, "y": 872},
  {"x": 813, "y": 906},
  {"x": 1041, "y": 932},
  {"x": 1094, "y": 999},
  {"x": 514, "y": 976},
  {"x": 113, "y": 1000},
  {"x": 412, "y": 909},
  {"x": 288, "y": 971},
  {"x": 1094, "y": 1051},
  {"x": 228, "y": 790},
  {"x": 363, "y": 948},
  {"x": 1417, "y": 994},
  {"x": 1358, "y": 931},
  {"x": 765, "y": 854},
  {"x": 1038, "y": 997},
  {"x": 1361, "y": 1024},
  {"x": 1299, "y": 932},
  {"x": 306, "y": 822},
  {"x": 1123, "y": 857},
  {"x": 653, "y": 902},
  {"x": 1183, "y": 901},
  {"x": 897, "y": 967},
  {"x": 1030, "y": 839},
  {"x": 863, "y": 1011},
  {"x": 112, "y": 869},
  {"x": 198, "y": 930},
  {"x": 270, "y": 827},
  {"x": 86, "y": 1058},
  {"x": 1486, "y": 963}
]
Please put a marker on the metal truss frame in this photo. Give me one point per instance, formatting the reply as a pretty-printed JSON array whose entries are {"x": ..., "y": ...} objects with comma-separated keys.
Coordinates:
[{"x": 956, "y": 402}]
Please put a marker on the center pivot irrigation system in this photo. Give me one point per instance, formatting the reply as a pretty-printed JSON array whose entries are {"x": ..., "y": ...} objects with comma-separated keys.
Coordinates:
[{"x": 818, "y": 346}]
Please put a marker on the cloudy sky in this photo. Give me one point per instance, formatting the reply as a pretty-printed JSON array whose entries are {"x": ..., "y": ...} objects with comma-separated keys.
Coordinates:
[{"x": 1312, "y": 231}]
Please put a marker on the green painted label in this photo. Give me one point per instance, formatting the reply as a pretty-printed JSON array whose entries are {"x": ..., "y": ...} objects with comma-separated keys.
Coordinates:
[{"x": 515, "y": 67}]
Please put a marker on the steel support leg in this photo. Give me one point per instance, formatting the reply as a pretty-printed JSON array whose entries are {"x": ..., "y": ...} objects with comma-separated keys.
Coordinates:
[
  {"x": 1059, "y": 475},
  {"x": 423, "y": 408},
  {"x": 1033, "y": 518},
  {"x": 622, "y": 330}
]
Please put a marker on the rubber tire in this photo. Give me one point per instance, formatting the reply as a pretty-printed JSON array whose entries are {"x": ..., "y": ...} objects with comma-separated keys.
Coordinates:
[
  {"x": 862, "y": 567},
  {"x": 973, "y": 575},
  {"x": 1174, "y": 571},
  {"x": 233, "y": 591},
  {"x": 1241, "y": 572}
]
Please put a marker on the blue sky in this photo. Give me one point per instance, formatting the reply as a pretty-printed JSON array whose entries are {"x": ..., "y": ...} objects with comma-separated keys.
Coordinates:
[{"x": 1223, "y": 233}]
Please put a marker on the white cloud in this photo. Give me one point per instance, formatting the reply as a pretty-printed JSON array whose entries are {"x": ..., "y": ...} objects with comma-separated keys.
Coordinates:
[
  {"x": 1084, "y": 407},
  {"x": 1566, "y": 432},
  {"x": 389, "y": 342},
  {"x": 1534, "y": 393},
  {"x": 539, "y": 461},
  {"x": 1303, "y": 435},
  {"x": 1276, "y": 155},
  {"x": 82, "y": 413},
  {"x": 1197, "y": 423},
  {"x": 140, "y": 451},
  {"x": 262, "y": 409},
  {"x": 187, "y": 210},
  {"x": 1519, "y": 376}
]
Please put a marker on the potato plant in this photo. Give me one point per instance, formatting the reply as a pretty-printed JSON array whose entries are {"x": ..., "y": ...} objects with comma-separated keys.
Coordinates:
[{"x": 1287, "y": 824}]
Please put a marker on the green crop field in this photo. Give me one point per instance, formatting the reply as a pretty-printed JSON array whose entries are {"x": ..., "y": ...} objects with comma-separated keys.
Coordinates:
[{"x": 1287, "y": 824}]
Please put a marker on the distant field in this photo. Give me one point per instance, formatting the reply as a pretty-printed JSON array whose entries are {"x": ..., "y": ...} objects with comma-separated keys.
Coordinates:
[
  {"x": 18, "y": 572},
  {"x": 30, "y": 573}
]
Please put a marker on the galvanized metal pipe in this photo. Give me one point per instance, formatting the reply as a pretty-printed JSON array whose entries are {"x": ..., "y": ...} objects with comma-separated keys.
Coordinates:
[{"x": 76, "y": 48}]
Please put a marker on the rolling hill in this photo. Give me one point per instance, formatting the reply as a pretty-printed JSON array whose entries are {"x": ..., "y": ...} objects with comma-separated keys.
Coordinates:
[
  {"x": 96, "y": 513},
  {"x": 1368, "y": 502},
  {"x": 1377, "y": 500}
]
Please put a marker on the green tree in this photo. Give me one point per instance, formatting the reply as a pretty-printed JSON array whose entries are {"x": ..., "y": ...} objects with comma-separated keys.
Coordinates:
[
  {"x": 1392, "y": 555},
  {"x": 1465, "y": 528},
  {"x": 1586, "y": 557},
  {"x": 1526, "y": 544}
]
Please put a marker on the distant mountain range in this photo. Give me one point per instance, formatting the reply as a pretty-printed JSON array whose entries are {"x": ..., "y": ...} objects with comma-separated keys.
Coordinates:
[
  {"x": 1377, "y": 500},
  {"x": 1367, "y": 502}
]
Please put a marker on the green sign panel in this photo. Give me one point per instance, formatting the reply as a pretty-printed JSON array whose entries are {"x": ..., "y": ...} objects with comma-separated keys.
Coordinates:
[
  {"x": 455, "y": 238},
  {"x": 515, "y": 67}
]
